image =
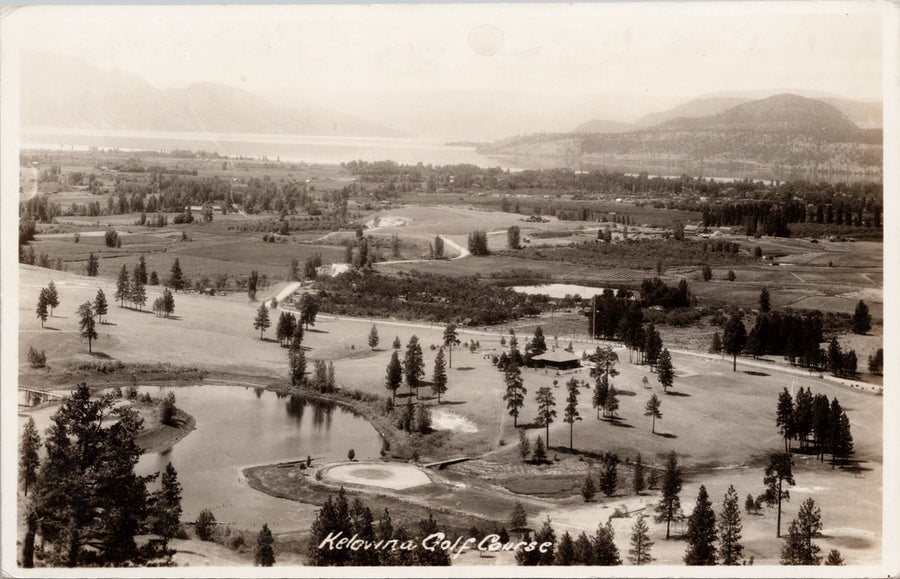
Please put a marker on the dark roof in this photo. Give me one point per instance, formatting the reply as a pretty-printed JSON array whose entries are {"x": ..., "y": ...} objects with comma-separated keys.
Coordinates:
[{"x": 557, "y": 356}]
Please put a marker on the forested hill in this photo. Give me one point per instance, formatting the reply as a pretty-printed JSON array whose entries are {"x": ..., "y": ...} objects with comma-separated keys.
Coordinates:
[{"x": 780, "y": 131}]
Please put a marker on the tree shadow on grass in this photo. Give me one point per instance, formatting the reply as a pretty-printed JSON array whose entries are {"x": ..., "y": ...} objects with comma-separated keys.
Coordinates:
[
  {"x": 666, "y": 434},
  {"x": 271, "y": 340},
  {"x": 315, "y": 331},
  {"x": 620, "y": 423},
  {"x": 446, "y": 402},
  {"x": 529, "y": 425},
  {"x": 626, "y": 392},
  {"x": 105, "y": 323},
  {"x": 50, "y": 328},
  {"x": 465, "y": 368},
  {"x": 101, "y": 355},
  {"x": 755, "y": 373},
  {"x": 676, "y": 393}
]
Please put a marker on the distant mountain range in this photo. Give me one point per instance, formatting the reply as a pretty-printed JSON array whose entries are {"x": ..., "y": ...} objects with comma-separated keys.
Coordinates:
[
  {"x": 866, "y": 115},
  {"x": 67, "y": 93},
  {"x": 785, "y": 131}
]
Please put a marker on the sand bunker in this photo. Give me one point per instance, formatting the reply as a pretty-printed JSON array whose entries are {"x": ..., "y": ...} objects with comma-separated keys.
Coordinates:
[
  {"x": 387, "y": 221},
  {"x": 446, "y": 420},
  {"x": 384, "y": 475}
]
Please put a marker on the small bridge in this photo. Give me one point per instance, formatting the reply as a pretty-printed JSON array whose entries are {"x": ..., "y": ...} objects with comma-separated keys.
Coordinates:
[
  {"x": 39, "y": 395},
  {"x": 442, "y": 463}
]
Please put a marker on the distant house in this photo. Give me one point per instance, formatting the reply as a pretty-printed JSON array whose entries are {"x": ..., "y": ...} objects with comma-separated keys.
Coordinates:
[{"x": 559, "y": 359}]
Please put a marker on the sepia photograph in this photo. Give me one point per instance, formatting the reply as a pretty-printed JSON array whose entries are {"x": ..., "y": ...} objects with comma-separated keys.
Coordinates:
[{"x": 463, "y": 286}]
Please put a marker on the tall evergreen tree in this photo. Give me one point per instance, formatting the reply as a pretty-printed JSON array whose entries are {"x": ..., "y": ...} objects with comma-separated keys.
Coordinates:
[
  {"x": 609, "y": 473},
  {"x": 176, "y": 277},
  {"x": 803, "y": 415},
  {"x": 729, "y": 522},
  {"x": 52, "y": 297},
  {"x": 862, "y": 320},
  {"x": 735, "y": 337},
  {"x": 373, "y": 337},
  {"x": 394, "y": 376},
  {"x": 86, "y": 323},
  {"x": 450, "y": 340},
  {"x": 41, "y": 309},
  {"x": 571, "y": 413},
  {"x": 605, "y": 551},
  {"x": 716, "y": 345},
  {"x": 167, "y": 504},
  {"x": 665, "y": 372},
  {"x": 168, "y": 302},
  {"x": 261, "y": 322},
  {"x": 29, "y": 459},
  {"x": 100, "y": 305},
  {"x": 778, "y": 473},
  {"x": 515, "y": 390},
  {"x": 332, "y": 518},
  {"x": 639, "y": 554},
  {"x": 765, "y": 302},
  {"x": 584, "y": 550},
  {"x": 546, "y": 409},
  {"x": 652, "y": 410},
  {"x": 798, "y": 548},
  {"x": 141, "y": 269},
  {"x": 122, "y": 286},
  {"x": 297, "y": 363},
  {"x": 638, "y": 482},
  {"x": 518, "y": 519},
  {"x": 565, "y": 551},
  {"x": 265, "y": 554},
  {"x": 413, "y": 364},
  {"x": 841, "y": 439},
  {"x": 701, "y": 532},
  {"x": 138, "y": 293},
  {"x": 439, "y": 376},
  {"x": 669, "y": 506},
  {"x": 92, "y": 267},
  {"x": 297, "y": 337},
  {"x": 784, "y": 417}
]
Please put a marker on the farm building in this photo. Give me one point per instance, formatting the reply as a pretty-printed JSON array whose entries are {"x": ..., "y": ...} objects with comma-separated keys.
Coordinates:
[{"x": 559, "y": 359}]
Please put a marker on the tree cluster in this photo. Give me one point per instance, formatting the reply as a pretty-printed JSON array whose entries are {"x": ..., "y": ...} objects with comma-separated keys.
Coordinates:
[{"x": 816, "y": 423}]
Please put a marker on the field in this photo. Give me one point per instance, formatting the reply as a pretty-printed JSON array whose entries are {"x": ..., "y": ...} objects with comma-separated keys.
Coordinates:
[{"x": 697, "y": 421}]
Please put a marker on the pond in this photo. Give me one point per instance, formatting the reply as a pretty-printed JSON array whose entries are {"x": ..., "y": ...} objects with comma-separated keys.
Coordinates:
[{"x": 238, "y": 427}]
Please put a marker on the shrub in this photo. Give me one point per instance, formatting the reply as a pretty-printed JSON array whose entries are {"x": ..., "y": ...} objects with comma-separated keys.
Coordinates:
[
  {"x": 204, "y": 525},
  {"x": 36, "y": 358}
]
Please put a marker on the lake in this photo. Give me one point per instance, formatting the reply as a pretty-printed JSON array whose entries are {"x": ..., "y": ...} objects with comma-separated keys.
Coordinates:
[
  {"x": 559, "y": 290},
  {"x": 239, "y": 427}
]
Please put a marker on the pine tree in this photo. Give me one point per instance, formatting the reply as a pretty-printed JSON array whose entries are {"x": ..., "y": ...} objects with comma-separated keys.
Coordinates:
[
  {"x": 261, "y": 322},
  {"x": 729, "y": 523},
  {"x": 518, "y": 520},
  {"x": 515, "y": 390},
  {"x": 834, "y": 558},
  {"x": 373, "y": 337},
  {"x": 41, "y": 310},
  {"x": 652, "y": 410},
  {"x": 546, "y": 411},
  {"x": 397, "y": 344},
  {"x": 154, "y": 279},
  {"x": 167, "y": 504},
  {"x": 784, "y": 417},
  {"x": 252, "y": 281},
  {"x": 29, "y": 459},
  {"x": 588, "y": 489},
  {"x": 138, "y": 293},
  {"x": 394, "y": 376},
  {"x": 100, "y": 305},
  {"x": 309, "y": 308},
  {"x": 605, "y": 550},
  {"x": 735, "y": 337},
  {"x": 141, "y": 269},
  {"x": 92, "y": 267},
  {"x": 450, "y": 340},
  {"x": 669, "y": 506},
  {"x": 122, "y": 287},
  {"x": 524, "y": 445},
  {"x": 765, "y": 302},
  {"x": 571, "y": 413},
  {"x": 297, "y": 336},
  {"x": 638, "y": 483},
  {"x": 665, "y": 370},
  {"x": 297, "y": 363},
  {"x": 701, "y": 532},
  {"x": 707, "y": 273},
  {"x": 842, "y": 440},
  {"x": 778, "y": 472},
  {"x": 798, "y": 548},
  {"x": 168, "y": 302},
  {"x": 862, "y": 320},
  {"x": 86, "y": 323},
  {"x": 176, "y": 277},
  {"x": 565, "y": 551},
  {"x": 639, "y": 554},
  {"x": 540, "y": 451},
  {"x": 609, "y": 473},
  {"x": 265, "y": 554},
  {"x": 413, "y": 364},
  {"x": 332, "y": 518},
  {"x": 439, "y": 376},
  {"x": 612, "y": 404},
  {"x": 584, "y": 550},
  {"x": 52, "y": 297}
]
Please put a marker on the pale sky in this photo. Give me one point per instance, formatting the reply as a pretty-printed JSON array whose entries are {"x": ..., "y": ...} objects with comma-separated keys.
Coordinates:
[{"x": 671, "y": 49}]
